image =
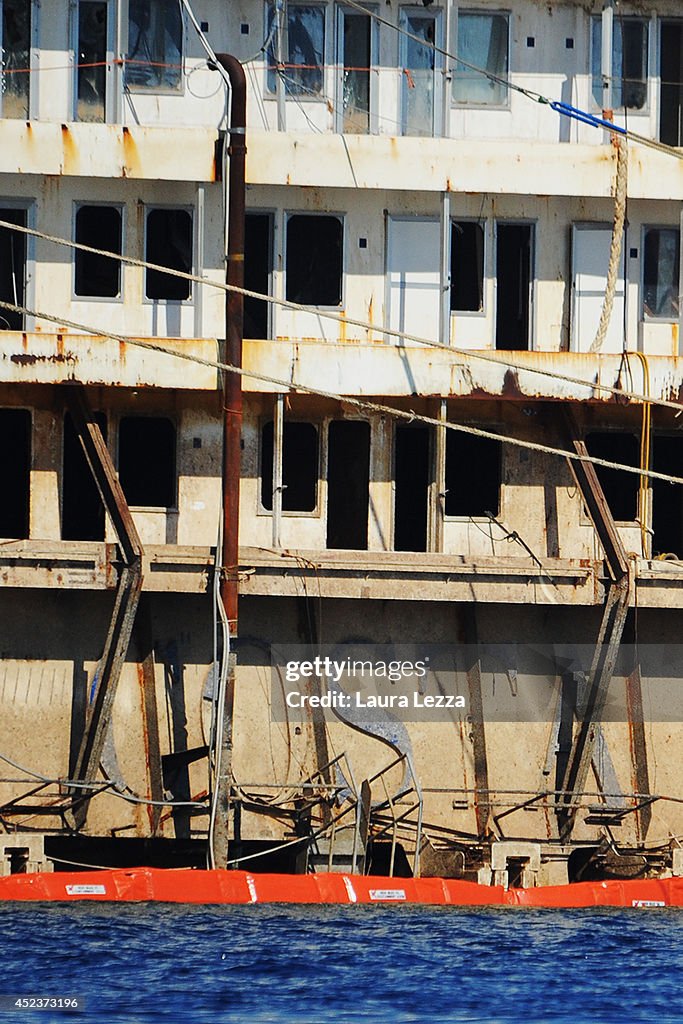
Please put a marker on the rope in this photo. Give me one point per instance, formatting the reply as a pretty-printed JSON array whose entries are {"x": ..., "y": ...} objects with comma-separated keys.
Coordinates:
[
  {"x": 615, "y": 244},
  {"x": 359, "y": 403},
  {"x": 499, "y": 358}
]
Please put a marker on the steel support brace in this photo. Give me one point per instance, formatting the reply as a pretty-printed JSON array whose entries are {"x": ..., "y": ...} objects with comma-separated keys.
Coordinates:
[
  {"x": 617, "y": 601},
  {"x": 482, "y": 805},
  {"x": 111, "y": 662}
]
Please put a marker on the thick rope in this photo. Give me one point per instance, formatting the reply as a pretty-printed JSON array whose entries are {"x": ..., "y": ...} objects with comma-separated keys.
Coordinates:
[{"x": 615, "y": 245}]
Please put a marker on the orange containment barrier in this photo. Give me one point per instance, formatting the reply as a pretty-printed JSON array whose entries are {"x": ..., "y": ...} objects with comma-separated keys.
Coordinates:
[{"x": 185, "y": 885}]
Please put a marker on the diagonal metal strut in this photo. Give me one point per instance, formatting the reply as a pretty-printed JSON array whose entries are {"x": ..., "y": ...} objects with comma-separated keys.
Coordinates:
[{"x": 128, "y": 589}]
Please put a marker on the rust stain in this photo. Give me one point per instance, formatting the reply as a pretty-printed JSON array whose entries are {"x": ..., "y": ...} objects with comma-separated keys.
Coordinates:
[
  {"x": 60, "y": 345},
  {"x": 70, "y": 160},
  {"x": 30, "y": 359},
  {"x": 24, "y": 341},
  {"x": 342, "y": 328},
  {"x": 131, "y": 157},
  {"x": 674, "y": 339},
  {"x": 122, "y": 352}
]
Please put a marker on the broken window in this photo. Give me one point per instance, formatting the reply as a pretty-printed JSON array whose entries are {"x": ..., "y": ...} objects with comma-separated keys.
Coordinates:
[
  {"x": 155, "y": 45},
  {"x": 671, "y": 89},
  {"x": 15, "y": 472},
  {"x": 629, "y": 62},
  {"x": 303, "y": 50},
  {"x": 147, "y": 461},
  {"x": 355, "y": 56},
  {"x": 667, "y": 499},
  {"x": 16, "y": 58},
  {"x": 482, "y": 43},
  {"x": 348, "y": 484},
  {"x": 168, "y": 243},
  {"x": 661, "y": 256},
  {"x": 513, "y": 286},
  {"x": 467, "y": 266},
  {"x": 12, "y": 269},
  {"x": 96, "y": 275},
  {"x": 314, "y": 259},
  {"x": 412, "y": 477},
  {"x": 418, "y": 60},
  {"x": 299, "y": 467},
  {"x": 473, "y": 475},
  {"x": 258, "y": 247},
  {"x": 621, "y": 489},
  {"x": 82, "y": 508},
  {"x": 91, "y": 63}
]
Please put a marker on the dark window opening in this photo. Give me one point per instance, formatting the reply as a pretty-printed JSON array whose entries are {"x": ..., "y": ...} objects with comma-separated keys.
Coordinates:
[
  {"x": 513, "y": 286},
  {"x": 12, "y": 269},
  {"x": 314, "y": 260},
  {"x": 621, "y": 489},
  {"x": 82, "y": 508},
  {"x": 661, "y": 262},
  {"x": 667, "y": 499},
  {"x": 467, "y": 266},
  {"x": 356, "y": 41},
  {"x": 299, "y": 467},
  {"x": 412, "y": 477},
  {"x": 147, "y": 461},
  {"x": 257, "y": 271},
  {"x": 473, "y": 475},
  {"x": 671, "y": 72},
  {"x": 15, "y": 54},
  {"x": 155, "y": 44},
  {"x": 92, "y": 61},
  {"x": 99, "y": 227},
  {"x": 348, "y": 484},
  {"x": 169, "y": 243},
  {"x": 15, "y": 472}
]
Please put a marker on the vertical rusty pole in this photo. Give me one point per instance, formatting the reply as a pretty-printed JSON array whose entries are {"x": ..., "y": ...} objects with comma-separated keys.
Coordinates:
[{"x": 232, "y": 431}]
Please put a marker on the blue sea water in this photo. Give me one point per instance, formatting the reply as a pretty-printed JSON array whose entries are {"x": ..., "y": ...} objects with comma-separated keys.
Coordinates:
[{"x": 309, "y": 965}]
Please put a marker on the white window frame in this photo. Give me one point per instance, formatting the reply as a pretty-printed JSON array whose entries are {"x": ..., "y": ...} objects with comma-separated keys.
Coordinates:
[
  {"x": 373, "y": 71},
  {"x": 437, "y": 110},
  {"x": 485, "y": 226},
  {"x": 467, "y": 104},
  {"x": 110, "y": 83},
  {"x": 303, "y": 96},
  {"x": 33, "y": 60},
  {"x": 121, "y": 207},
  {"x": 318, "y": 213},
  {"x": 154, "y": 90},
  {"x": 321, "y": 428},
  {"x": 609, "y": 24},
  {"x": 194, "y": 269},
  {"x": 29, "y": 206}
]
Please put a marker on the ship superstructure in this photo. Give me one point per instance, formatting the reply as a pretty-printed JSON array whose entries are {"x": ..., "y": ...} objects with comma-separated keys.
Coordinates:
[{"x": 465, "y": 223}]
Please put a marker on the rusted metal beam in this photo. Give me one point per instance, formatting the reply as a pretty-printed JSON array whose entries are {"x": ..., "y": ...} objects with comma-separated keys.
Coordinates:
[
  {"x": 150, "y": 711},
  {"x": 110, "y": 666},
  {"x": 640, "y": 773}
]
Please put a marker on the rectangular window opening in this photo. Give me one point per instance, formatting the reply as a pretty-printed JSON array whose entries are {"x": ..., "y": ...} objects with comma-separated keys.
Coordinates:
[
  {"x": 661, "y": 261},
  {"x": 671, "y": 73},
  {"x": 168, "y": 243},
  {"x": 629, "y": 63},
  {"x": 418, "y": 77},
  {"x": 473, "y": 475},
  {"x": 348, "y": 484},
  {"x": 467, "y": 267},
  {"x": 155, "y": 45},
  {"x": 12, "y": 268},
  {"x": 300, "y": 463},
  {"x": 482, "y": 43},
  {"x": 355, "y": 58},
  {"x": 82, "y": 508},
  {"x": 412, "y": 477},
  {"x": 314, "y": 259},
  {"x": 15, "y": 472},
  {"x": 91, "y": 62},
  {"x": 101, "y": 228},
  {"x": 667, "y": 499},
  {"x": 621, "y": 489},
  {"x": 147, "y": 461},
  {"x": 15, "y": 50},
  {"x": 258, "y": 266},
  {"x": 513, "y": 286},
  {"x": 303, "y": 50}
]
